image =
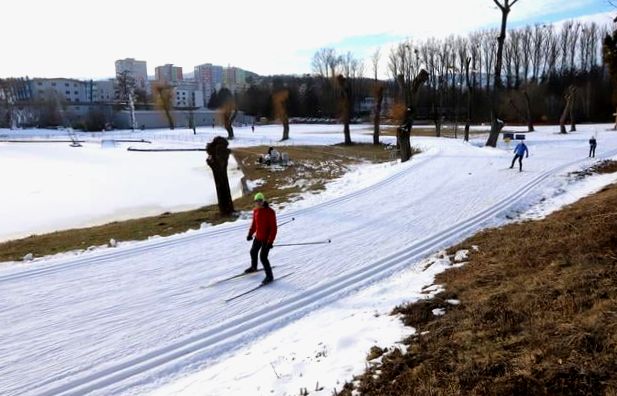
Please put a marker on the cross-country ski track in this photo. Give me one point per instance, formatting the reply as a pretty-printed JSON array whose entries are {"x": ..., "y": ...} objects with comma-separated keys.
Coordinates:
[{"x": 123, "y": 320}]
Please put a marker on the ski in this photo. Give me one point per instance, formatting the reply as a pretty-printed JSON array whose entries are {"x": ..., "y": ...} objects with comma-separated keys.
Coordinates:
[
  {"x": 218, "y": 282},
  {"x": 256, "y": 288}
]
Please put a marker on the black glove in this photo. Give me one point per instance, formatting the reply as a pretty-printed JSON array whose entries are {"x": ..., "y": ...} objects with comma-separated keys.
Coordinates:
[
  {"x": 270, "y": 246},
  {"x": 249, "y": 237}
]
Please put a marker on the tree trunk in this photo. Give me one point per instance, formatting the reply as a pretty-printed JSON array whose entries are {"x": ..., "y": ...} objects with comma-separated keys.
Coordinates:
[
  {"x": 403, "y": 135},
  {"x": 438, "y": 127},
  {"x": 567, "y": 110},
  {"x": 132, "y": 112},
  {"x": 377, "y": 116},
  {"x": 562, "y": 119},
  {"x": 495, "y": 122},
  {"x": 530, "y": 127},
  {"x": 573, "y": 111},
  {"x": 346, "y": 104},
  {"x": 347, "y": 131},
  {"x": 170, "y": 119},
  {"x": 229, "y": 118},
  {"x": 285, "y": 128},
  {"x": 469, "y": 98},
  {"x": 218, "y": 159},
  {"x": 404, "y": 132}
]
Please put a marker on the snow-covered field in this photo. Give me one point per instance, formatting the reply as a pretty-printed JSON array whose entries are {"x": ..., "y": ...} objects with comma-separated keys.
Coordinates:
[
  {"x": 146, "y": 317},
  {"x": 52, "y": 186}
]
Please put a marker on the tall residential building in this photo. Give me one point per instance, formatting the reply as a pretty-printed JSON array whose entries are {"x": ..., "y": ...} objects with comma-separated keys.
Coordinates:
[
  {"x": 210, "y": 77},
  {"x": 168, "y": 73},
  {"x": 137, "y": 69},
  {"x": 235, "y": 78}
]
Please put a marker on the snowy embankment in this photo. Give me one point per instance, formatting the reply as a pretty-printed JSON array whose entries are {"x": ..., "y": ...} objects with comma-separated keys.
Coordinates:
[{"x": 147, "y": 315}]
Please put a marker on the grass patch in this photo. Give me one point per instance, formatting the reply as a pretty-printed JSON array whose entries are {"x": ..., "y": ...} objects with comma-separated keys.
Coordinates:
[
  {"x": 537, "y": 314},
  {"x": 314, "y": 165}
]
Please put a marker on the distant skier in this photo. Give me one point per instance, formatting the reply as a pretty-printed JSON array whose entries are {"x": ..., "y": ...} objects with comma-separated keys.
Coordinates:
[
  {"x": 264, "y": 228},
  {"x": 520, "y": 150},
  {"x": 592, "y": 147},
  {"x": 253, "y": 128}
]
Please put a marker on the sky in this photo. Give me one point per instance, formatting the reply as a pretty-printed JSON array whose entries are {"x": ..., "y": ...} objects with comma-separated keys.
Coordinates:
[{"x": 83, "y": 38}]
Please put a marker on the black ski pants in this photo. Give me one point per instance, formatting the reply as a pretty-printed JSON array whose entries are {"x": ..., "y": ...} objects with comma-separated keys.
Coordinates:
[
  {"x": 592, "y": 151},
  {"x": 520, "y": 162},
  {"x": 260, "y": 249}
]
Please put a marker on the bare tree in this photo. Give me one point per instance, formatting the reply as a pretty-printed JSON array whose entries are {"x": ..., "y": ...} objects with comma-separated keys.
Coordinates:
[
  {"x": 280, "y": 101},
  {"x": 470, "y": 89},
  {"x": 410, "y": 89},
  {"x": 164, "y": 99},
  {"x": 505, "y": 6},
  {"x": 378, "y": 93},
  {"x": 569, "y": 98},
  {"x": 125, "y": 86},
  {"x": 218, "y": 159},
  {"x": 345, "y": 89}
]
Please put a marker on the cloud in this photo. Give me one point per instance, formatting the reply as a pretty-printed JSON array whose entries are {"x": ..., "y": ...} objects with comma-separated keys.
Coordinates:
[{"x": 83, "y": 38}]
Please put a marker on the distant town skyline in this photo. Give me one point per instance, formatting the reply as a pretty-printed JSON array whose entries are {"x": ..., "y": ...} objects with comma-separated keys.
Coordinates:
[{"x": 69, "y": 38}]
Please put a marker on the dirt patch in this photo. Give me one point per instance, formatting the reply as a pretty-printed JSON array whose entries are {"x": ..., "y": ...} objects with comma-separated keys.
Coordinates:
[
  {"x": 604, "y": 167},
  {"x": 537, "y": 314},
  {"x": 316, "y": 165}
]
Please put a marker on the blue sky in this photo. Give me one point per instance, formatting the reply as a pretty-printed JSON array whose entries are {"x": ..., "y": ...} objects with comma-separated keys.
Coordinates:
[{"x": 77, "y": 38}]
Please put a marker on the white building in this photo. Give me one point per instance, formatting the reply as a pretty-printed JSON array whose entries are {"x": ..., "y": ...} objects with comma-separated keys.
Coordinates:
[
  {"x": 188, "y": 93},
  {"x": 72, "y": 91},
  {"x": 103, "y": 91},
  {"x": 137, "y": 69}
]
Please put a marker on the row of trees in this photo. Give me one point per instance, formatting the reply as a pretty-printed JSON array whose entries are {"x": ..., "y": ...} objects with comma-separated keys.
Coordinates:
[{"x": 539, "y": 73}]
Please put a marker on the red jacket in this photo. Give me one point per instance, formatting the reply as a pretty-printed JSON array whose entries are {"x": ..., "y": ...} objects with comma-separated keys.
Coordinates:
[{"x": 264, "y": 224}]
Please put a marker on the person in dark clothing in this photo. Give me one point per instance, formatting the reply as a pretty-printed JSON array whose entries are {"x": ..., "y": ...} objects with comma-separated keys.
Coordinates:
[
  {"x": 592, "y": 147},
  {"x": 519, "y": 151},
  {"x": 264, "y": 228}
]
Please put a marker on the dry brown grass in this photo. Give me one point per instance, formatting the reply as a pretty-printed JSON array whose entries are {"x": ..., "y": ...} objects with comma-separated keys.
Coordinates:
[
  {"x": 316, "y": 164},
  {"x": 538, "y": 314}
]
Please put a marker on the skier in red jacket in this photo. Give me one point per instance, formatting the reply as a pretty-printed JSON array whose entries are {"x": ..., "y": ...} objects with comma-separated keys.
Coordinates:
[{"x": 264, "y": 229}]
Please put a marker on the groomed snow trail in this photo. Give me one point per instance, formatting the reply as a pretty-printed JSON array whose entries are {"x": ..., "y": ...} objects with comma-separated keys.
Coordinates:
[{"x": 121, "y": 321}]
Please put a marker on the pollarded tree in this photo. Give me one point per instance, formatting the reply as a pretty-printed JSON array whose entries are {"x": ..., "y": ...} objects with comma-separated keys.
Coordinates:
[
  {"x": 345, "y": 88},
  {"x": 505, "y": 6},
  {"x": 164, "y": 100},
  {"x": 410, "y": 89},
  {"x": 227, "y": 110},
  {"x": 569, "y": 97},
  {"x": 218, "y": 159},
  {"x": 280, "y": 101}
]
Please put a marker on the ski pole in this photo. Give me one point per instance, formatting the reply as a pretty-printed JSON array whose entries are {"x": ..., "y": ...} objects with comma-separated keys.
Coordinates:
[
  {"x": 287, "y": 222},
  {"x": 304, "y": 243}
]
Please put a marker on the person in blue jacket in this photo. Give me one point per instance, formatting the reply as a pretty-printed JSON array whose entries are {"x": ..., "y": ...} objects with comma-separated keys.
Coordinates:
[{"x": 520, "y": 150}]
